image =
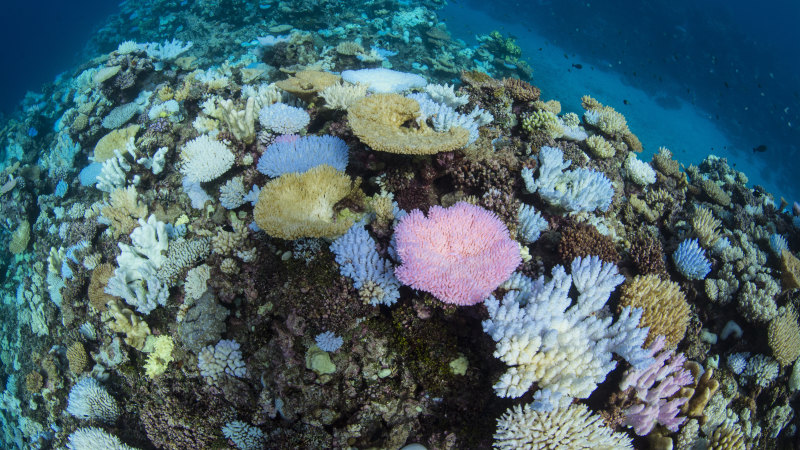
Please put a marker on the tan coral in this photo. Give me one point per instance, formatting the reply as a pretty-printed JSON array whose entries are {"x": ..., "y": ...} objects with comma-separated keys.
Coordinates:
[
  {"x": 34, "y": 382},
  {"x": 727, "y": 438},
  {"x": 790, "y": 270},
  {"x": 308, "y": 83},
  {"x": 699, "y": 392},
  {"x": 664, "y": 163},
  {"x": 705, "y": 226},
  {"x": 123, "y": 210},
  {"x": 665, "y": 309},
  {"x": 599, "y": 147},
  {"x": 388, "y": 123},
  {"x": 76, "y": 356},
  {"x": 115, "y": 140},
  {"x": 715, "y": 192},
  {"x": 784, "y": 337},
  {"x": 20, "y": 238},
  {"x": 349, "y": 48},
  {"x": 123, "y": 320},
  {"x": 97, "y": 285},
  {"x": 297, "y": 205}
]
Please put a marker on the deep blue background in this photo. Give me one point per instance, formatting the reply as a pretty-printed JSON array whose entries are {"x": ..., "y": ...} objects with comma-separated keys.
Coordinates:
[{"x": 40, "y": 39}]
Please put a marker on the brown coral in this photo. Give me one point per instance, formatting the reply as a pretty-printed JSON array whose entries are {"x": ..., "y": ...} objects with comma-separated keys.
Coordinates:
[
  {"x": 647, "y": 254},
  {"x": 34, "y": 382},
  {"x": 715, "y": 193},
  {"x": 295, "y": 205},
  {"x": 784, "y": 337},
  {"x": 123, "y": 320},
  {"x": 123, "y": 210},
  {"x": 790, "y": 270},
  {"x": 387, "y": 123},
  {"x": 664, "y": 163},
  {"x": 665, "y": 309},
  {"x": 699, "y": 392},
  {"x": 97, "y": 285},
  {"x": 76, "y": 356},
  {"x": 584, "y": 240},
  {"x": 520, "y": 90}
]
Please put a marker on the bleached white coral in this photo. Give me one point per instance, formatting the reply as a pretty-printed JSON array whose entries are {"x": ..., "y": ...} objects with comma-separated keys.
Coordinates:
[
  {"x": 112, "y": 175},
  {"x": 573, "y": 427},
  {"x": 564, "y": 348},
  {"x": 128, "y": 47},
  {"x": 341, "y": 95},
  {"x": 204, "y": 159},
  {"x": 94, "y": 439},
  {"x": 136, "y": 279},
  {"x": 88, "y": 400},
  {"x": 231, "y": 194},
  {"x": 196, "y": 281},
  {"x": 639, "y": 171},
  {"x": 445, "y": 93}
]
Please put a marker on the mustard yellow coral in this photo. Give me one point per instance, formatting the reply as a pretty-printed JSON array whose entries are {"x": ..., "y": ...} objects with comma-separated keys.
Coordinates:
[
  {"x": 705, "y": 226},
  {"x": 600, "y": 147},
  {"x": 159, "y": 357},
  {"x": 76, "y": 357},
  {"x": 665, "y": 309},
  {"x": 115, "y": 140},
  {"x": 307, "y": 83},
  {"x": 123, "y": 210},
  {"x": 295, "y": 205},
  {"x": 388, "y": 123}
]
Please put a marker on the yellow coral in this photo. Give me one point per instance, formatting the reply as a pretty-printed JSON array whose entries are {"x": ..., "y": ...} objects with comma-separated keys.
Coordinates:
[
  {"x": 727, "y": 438},
  {"x": 599, "y": 147},
  {"x": 790, "y": 270},
  {"x": 705, "y": 226},
  {"x": 297, "y": 205},
  {"x": 387, "y": 123},
  {"x": 699, "y": 392},
  {"x": 307, "y": 83},
  {"x": 20, "y": 238},
  {"x": 665, "y": 309},
  {"x": 123, "y": 320},
  {"x": 159, "y": 357},
  {"x": 123, "y": 210},
  {"x": 349, "y": 48},
  {"x": 784, "y": 337},
  {"x": 115, "y": 140},
  {"x": 545, "y": 121}
]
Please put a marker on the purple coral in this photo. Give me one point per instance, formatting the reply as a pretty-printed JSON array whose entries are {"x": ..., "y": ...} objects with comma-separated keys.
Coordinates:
[{"x": 653, "y": 404}]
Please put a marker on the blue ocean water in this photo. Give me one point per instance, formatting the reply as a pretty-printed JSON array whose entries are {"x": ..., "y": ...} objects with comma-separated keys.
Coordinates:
[{"x": 716, "y": 77}]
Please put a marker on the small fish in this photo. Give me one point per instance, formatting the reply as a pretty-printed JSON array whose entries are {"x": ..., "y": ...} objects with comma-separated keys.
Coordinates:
[
  {"x": 625, "y": 101},
  {"x": 577, "y": 66},
  {"x": 760, "y": 149}
]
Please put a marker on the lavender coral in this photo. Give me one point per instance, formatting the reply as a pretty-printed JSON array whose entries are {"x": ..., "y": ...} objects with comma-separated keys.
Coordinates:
[
  {"x": 303, "y": 153},
  {"x": 459, "y": 254},
  {"x": 653, "y": 386},
  {"x": 281, "y": 118}
]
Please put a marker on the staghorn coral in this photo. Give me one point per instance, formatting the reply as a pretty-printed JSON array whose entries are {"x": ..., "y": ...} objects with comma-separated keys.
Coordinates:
[
  {"x": 666, "y": 311},
  {"x": 296, "y": 205},
  {"x": 573, "y": 427},
  {"x": 784, "y": 337},
  {"x": 579, "y": 240},
  {"x": 387, "y": 123}
]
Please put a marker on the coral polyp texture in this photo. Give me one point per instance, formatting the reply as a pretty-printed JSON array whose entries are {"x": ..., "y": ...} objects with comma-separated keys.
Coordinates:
[
  {"x": 459, "y": 254},
  {"x": 336, "y": 224}
]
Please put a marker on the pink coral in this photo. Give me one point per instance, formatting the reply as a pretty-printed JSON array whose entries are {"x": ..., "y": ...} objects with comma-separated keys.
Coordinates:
[
  {"x": 459, "y": 254},
  {"x": 653, "y": 404}
]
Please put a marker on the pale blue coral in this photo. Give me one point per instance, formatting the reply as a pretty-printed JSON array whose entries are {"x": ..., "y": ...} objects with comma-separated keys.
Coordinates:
[
  {"x": 531, "y": 224},
  {"x": 281, "y": 118},
  {"x": 303, "y": 154},
  {"x": 573, "y": 190},
  {"x": 328, "y": 341},
  {"x": 690, "y": 260},
  {"x": 358, "y": 260},
  {"x": 778, "y": 243}
]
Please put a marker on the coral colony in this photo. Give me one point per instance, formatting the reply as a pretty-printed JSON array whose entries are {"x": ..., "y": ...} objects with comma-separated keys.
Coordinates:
[{"x": 357, "y": 233}]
